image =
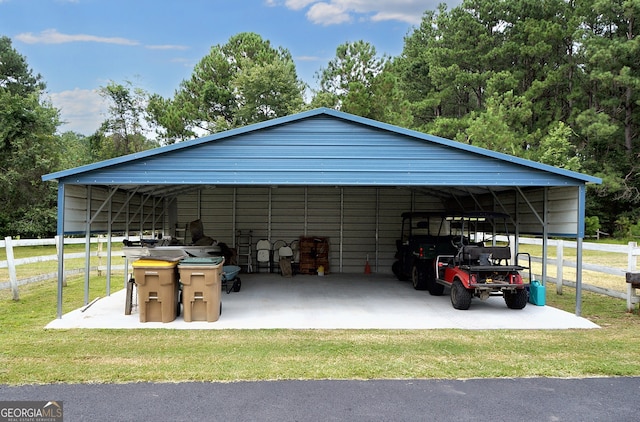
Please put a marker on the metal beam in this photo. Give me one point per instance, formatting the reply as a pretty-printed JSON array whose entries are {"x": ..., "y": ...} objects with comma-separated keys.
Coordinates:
[
  {"x": 87, "y": 246},
  {"x": 531, "y": 207},
  {"x": 104, "y": 204}
]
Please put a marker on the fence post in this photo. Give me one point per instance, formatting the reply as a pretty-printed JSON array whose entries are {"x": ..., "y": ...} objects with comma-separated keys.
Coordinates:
[
  {"x": 559, "y": 265},
  {"x": 631, "y": 266},
  {"x": 99, "y": 254},
  {"x": 13, "y": 278}
]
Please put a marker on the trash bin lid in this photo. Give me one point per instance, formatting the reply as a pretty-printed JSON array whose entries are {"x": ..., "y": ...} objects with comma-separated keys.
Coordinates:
[
  {"x": 197, "y": 260},
  {"x": 153, "y": 263}
]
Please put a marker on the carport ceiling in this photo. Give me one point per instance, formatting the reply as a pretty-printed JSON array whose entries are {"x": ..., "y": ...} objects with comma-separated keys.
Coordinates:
[{"x": 441, "y": 192}]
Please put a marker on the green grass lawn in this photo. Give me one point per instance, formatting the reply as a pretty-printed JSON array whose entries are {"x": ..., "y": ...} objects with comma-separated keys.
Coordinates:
[{"x": 31, "y": 354}]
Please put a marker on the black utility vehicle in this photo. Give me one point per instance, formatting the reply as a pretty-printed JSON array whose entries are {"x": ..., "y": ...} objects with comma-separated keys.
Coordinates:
[{"x": 424, "y": 236}]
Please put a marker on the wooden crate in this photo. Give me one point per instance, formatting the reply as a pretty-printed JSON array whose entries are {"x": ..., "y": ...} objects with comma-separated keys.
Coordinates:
[{"x": 314, "y": 252}]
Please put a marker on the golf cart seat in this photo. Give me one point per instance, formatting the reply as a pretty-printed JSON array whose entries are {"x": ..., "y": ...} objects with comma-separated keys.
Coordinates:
[{"x": 485, "y": 255}]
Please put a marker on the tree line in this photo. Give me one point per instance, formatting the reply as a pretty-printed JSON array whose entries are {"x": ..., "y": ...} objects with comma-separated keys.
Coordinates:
[{"x": 555, "y": 81}]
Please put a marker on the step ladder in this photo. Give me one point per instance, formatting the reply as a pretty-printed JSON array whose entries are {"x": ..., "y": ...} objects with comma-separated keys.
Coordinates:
[
  {"x": 244, "y": 242},
  {"x": 180, "y": 234}
]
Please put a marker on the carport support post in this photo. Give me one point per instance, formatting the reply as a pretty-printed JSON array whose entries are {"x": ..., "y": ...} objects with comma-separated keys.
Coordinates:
[
  {"x": 109, "y": 250},
  {"x": 545, "y": 235},
  {"x": 87, "y": 248},
  {"x": 60, "y": 240}
]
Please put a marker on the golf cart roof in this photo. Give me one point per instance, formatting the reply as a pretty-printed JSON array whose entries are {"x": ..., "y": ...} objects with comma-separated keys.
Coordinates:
[
  {"x": 478, "y": 216},
  {"x": 424, "y": 214}
]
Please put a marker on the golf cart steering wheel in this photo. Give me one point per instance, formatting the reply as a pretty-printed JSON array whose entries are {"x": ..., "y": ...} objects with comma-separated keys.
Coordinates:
[{"x": 457, "y": 242}]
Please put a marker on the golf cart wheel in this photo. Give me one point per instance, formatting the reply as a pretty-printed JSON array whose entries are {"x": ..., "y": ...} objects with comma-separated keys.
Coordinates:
[
  {"x": 460, "y": 297},
  {"x": 517, "y": 299},
  {"x": 418, "y": 277}
]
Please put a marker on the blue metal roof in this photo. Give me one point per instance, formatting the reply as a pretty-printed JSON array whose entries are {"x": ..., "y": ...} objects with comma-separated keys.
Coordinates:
[{"x": 321, "y": 147}]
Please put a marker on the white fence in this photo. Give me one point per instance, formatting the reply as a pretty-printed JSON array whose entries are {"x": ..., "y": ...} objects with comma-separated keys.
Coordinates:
[
  {"x": 11, "y": 263},
  {"x": 631, "y": 250}
]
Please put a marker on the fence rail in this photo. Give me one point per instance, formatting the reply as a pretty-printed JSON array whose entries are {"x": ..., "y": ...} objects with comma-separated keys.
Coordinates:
[
  {"x": 11, "y": 262},
  {"x": 631, "y": 250}
]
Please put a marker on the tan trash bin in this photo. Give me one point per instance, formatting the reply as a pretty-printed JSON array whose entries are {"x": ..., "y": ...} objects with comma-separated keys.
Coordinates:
[
  {"x": 200, "y": 280},
  {"x": 157, "y": 284}
]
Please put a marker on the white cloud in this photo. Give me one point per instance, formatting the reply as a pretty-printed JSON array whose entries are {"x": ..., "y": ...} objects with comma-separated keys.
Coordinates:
[
  {"x": 52, "y": 36},
  {"x": 308, "y": 58},
  {"x": 83, "y": 110},
  {"x": 393, "y": 16},
  {"x": 333, "y": 12},
  {"x": 298, "y": 4},
  {"x": 328, "y": 14}
]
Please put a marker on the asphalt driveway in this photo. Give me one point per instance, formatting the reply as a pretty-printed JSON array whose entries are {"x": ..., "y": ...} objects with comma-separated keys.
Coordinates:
[{"x": 530, "y": 399}]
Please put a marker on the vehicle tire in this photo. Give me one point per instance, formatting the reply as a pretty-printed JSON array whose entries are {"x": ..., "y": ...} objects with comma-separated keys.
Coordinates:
[
  {"x": 237, "y": 285},
  {"x": 517, "y": 299},
  {"x": 435, "y": 288},
  {"x": 460, "y": 297},
  {"x": 396, "y": 269},
  {"x": 419, "y": 276}
]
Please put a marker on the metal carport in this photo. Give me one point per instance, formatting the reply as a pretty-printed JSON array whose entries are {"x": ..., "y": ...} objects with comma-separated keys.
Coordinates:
[{"x": 321, "y": 172}]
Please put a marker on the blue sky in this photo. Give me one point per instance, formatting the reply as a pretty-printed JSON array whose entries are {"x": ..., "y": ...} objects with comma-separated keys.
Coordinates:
[{"x": 80, "y": 45}]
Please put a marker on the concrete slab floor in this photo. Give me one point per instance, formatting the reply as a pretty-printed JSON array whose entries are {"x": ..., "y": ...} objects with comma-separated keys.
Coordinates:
[{"x": 335, "y": 301}]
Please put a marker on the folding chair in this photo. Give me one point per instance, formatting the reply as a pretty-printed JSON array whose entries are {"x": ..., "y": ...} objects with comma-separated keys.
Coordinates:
[
  {"x": 263, "y": 254},
  {"x": 285, "y": 253},
  {"x": 275, "y": 260}
]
